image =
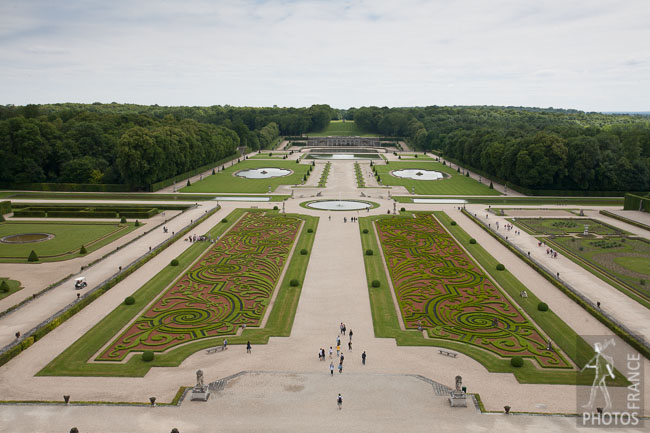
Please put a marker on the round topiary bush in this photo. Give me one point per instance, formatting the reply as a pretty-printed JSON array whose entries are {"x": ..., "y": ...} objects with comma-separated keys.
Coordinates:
[
  {"x": 137, "y": 223},
  {"x": 500, "y": 267},
  {"x": 472, "y": 241},
  {"x": 147, "y": 356},
  {"x": 303, "y": 252},
  {"x": 369, "y": 252},
  {"x": 517, "y": 361},
  {"x": 542, "y": 306},
  {"x": 310, "y": 230},
  {"x": 275, "y": 208},
  {"x": 225, "y": 220},
  {"x": 365, "y": 231},
  {"x": 453, "y": 223},
  {"x": 294, "y": 283},
  {"x": 123, "y": 220},
  {"x": 129, "y": 300},
  {"x": 375, "y": 283},
  {"x": 403, "y": 209},
  {"x": 174, "y": 262}
]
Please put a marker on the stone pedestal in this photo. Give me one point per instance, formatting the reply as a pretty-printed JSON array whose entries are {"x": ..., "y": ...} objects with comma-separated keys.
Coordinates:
[
  {"x": 457, "y": 399},
  {"x": 200, "y": 393}
]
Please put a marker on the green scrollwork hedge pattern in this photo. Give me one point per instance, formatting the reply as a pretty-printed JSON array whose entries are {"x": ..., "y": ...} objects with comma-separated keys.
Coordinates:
[
  {"x": 439, "y": 287},
  {"x": 230, "y": 286}
]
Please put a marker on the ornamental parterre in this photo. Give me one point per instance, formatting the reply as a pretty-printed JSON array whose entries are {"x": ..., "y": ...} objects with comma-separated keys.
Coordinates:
[
  {"x": 440, "y": 288},
  {"x": 231, "y": 285}
]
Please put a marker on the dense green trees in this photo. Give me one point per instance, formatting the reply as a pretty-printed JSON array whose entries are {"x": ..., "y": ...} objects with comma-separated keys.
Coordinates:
[
  {"x": 136, "y": 145},
  {"x": 532, "y": 148}
]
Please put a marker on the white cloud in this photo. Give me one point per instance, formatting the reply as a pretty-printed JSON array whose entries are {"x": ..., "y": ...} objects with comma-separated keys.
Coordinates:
[{"x": 589, "y": 55}]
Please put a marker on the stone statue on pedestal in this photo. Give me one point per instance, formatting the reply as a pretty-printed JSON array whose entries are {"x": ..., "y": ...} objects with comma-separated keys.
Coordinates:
[
  {"x": 200, "y": 391},
  {"x": 458, "y": 397}
]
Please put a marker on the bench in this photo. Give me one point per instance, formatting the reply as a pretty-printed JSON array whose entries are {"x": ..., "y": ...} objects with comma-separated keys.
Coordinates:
[
  {"x": 446, "y": 352},
  {"x": 216, "y": 349}
]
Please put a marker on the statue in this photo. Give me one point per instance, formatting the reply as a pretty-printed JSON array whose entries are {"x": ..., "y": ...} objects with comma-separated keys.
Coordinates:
[
  {"x": 200, "y": 391},
  {"x": 458, "y": 397}
]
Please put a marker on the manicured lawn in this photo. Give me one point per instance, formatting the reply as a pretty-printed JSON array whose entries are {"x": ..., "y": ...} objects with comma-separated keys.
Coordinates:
[
  {"x": 14, "y": 286},
  {"x": 457, "y": 184},
  {"x": 560, "y": 226},
  {"x": 343, "y": 129},
  {"x": 386, "y": 325},
  {"x": 74, "y": 361},
  {"x": 531, "y": 201},
  {"x": 226, "y": 181},
  {"x": 625, "y": 260},
  {"x": 67, "y": 241}
]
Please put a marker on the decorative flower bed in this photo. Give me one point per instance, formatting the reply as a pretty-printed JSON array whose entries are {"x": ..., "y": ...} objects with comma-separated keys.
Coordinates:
[
  {"x": 230, "y": 286},
  {"x": 439, "y": 287}
]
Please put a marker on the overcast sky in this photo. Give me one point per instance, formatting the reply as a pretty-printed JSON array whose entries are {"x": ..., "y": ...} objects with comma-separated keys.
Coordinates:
[{"x": 592, "y": 55}]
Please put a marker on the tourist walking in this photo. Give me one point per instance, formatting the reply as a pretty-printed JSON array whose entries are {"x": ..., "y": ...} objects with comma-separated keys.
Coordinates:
[
  {"x": 350, "y": 334},
  {"x": 331, "y": 352},
  {"x": 350, "y": 346},
  {"x": 225, "y": 343},
  {"x": 338, "y": 350},
  {"x": 340, "y": 368},
  {"x": 342, "y": 358},
  {"x": 344, "y": 329},
  {"x": 341, "y": 327},
  {"x": 248, "y": 347},
  {"x": 339, "y": 401},
  {"x": 331, "y": 368},
  {"x": 363, "y": 358}
]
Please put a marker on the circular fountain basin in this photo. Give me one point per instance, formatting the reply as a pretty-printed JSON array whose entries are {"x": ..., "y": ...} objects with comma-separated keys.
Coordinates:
[
  {"x": 339, "y": 205},
  {"x": 263, "y": 173},
  {"x": 418, "y": 174},
  {"x": 26, "y": 238}
]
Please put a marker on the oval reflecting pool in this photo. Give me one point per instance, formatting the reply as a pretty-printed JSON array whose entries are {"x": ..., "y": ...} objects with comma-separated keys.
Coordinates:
[
  {"x": 418, "y": 174},
  {"x": 339, "y": 205},
  {"x": 263, "y": 173},
  {"x": 342, "y": 156}
]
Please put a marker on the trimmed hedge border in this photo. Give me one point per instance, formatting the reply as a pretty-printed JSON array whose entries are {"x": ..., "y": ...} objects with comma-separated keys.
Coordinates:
[
  {"x": 39, "y": 331},
  {"x": 625, "y": 220},
  {"x": 617, "y": 328}
]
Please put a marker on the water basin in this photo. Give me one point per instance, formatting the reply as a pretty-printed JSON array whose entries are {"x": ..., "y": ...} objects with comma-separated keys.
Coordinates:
[
  {"x": 418, "y": 174},
  {"x": 263, "y": 173},
  {"x": 342, "y": 156},
  {"x": 439, "y": 200},
  {"x": 339, "y": 205},
  {"x": 241, "y": 198}
]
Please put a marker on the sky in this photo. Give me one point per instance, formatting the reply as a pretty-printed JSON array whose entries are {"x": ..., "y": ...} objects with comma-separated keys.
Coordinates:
[{"x": 591, "y": 55}]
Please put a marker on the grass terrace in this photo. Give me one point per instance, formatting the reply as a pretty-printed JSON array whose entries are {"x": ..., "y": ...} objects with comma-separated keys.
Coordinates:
[
  {"x": 342, "y": 129},
  {"x": 68, "y": 237},
  {"x": 227, "y": 181},
  {"x": 454, "y": 184}
]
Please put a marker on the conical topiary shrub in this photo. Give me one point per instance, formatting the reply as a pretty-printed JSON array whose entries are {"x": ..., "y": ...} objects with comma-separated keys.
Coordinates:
[
  {"x": 123, "y": 220},
  {"x": 491, "y": 185},
  {"x": 83, "y": 250},
  {"x": 4, "y": 287},
  {"x": 33, "y": 257},
  {"x": 188, "y": 182}
]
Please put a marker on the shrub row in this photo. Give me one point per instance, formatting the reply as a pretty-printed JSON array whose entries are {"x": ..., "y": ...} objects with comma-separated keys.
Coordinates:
[
  {"x": 167, "y": 182},
  {"x": 5, "y": 207},
  {"x": 68, "y": 187}
]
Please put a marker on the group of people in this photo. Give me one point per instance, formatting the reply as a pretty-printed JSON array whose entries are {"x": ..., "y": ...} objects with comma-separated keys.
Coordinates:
[
  {"x": 352, "y": 219},
  {"x": 339, "y": 353},
  {"x": 195, "y": 238}
]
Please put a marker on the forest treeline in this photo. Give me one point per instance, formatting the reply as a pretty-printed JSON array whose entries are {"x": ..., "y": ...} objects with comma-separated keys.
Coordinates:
[
  {"x": 133, "y": 144},
  {"x": 546, "y": 149}
]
